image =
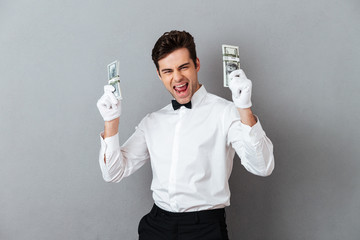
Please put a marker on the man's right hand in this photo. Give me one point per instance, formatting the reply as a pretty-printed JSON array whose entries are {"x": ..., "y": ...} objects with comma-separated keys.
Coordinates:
[{"x": 109, "y": 106}]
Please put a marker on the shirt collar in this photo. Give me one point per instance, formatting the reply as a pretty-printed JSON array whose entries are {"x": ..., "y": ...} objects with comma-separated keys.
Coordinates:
[{"x": 198, "y": 96}]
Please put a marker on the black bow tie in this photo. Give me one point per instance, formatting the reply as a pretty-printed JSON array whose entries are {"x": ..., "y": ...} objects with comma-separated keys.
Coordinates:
[{"x": 177, "y": 105}]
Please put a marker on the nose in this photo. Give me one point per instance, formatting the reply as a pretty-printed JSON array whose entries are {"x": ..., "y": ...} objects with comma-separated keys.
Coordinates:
[{"x": 177, "y": 76}]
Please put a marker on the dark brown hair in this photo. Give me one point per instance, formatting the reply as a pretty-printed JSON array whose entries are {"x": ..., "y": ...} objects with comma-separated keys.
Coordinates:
[{"x": 171, "y": 41}]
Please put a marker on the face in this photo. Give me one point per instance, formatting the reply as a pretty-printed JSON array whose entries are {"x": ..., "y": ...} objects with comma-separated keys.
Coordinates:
[{"x": 178, "y": 73}]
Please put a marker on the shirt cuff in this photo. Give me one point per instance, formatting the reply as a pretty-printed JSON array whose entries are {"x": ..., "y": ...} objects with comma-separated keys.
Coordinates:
[
  {"x": 255, "y": 133},
  {"x": 109, "y": 144}
]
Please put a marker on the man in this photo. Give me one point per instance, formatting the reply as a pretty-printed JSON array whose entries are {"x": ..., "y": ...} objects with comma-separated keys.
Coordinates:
[{"x": 190, "y": 143}]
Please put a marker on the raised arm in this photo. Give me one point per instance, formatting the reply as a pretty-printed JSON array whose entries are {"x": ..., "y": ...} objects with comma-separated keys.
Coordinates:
[
  {"x": 110, "y": 109},
  {"x": 245, "y": 133},
  {"x": 118, "y": 162}
]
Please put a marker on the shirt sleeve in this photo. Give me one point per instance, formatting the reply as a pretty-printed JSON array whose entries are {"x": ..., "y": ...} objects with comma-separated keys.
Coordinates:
[
  {"x": 125, "y": 160},
  {"x": 251, "y": 144}
]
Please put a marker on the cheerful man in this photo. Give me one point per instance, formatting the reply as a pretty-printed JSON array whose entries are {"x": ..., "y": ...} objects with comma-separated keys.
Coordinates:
[{"x": 190, "y": 144}]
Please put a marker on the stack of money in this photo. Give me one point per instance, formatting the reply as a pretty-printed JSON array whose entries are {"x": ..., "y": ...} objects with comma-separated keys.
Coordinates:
[
  {"x": 114, "y": 78},
  {"x": 231, "y": 61}
]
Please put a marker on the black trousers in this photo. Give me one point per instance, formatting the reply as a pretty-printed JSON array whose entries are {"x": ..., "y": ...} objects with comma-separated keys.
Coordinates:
[{"x": 202, "y": 225}]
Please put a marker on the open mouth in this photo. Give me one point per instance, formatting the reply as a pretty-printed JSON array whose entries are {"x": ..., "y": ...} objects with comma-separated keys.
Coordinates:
[{"x": 181, "y": 88}]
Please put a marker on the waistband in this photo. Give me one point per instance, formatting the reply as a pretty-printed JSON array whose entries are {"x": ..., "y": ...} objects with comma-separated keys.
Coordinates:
[{"x": 190, "y": 217}]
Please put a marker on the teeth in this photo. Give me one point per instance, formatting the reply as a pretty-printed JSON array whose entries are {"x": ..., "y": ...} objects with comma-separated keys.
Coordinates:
[{"x": 181, "y": 85}]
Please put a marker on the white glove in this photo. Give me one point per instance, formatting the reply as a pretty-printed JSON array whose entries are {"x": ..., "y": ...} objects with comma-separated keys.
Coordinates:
[
  {"x": 109, "y": 106},
  {"x": 240, "y": 87}
]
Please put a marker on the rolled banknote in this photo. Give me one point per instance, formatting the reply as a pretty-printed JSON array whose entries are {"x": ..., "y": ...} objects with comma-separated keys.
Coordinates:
[
  {"x": 114, "y": 78},
  {"x": 231, "y": 61}
]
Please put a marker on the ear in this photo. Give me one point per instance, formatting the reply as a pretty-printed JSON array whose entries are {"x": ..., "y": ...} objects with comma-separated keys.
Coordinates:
[
  {"x": 197, "y": 64},
  {"x": 157, "y": 71}
]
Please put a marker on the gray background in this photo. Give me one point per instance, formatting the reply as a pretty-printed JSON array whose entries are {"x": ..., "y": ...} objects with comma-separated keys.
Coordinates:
[{"x": 302, "y": 56}]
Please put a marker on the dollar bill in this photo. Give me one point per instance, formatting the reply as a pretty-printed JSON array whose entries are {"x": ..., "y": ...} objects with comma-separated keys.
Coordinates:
[
  {"x": 231, "y": 61},
  {"x": 114, "y": 78}
]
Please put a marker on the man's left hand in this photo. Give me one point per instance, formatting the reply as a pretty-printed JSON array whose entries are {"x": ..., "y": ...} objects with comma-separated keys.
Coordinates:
[{"x": 240, "y": 87}]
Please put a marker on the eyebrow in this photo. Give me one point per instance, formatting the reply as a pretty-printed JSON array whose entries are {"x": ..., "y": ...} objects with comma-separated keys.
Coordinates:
[
  {"x": 169, "y": 69},
  {"x": 183, "y": 65}
]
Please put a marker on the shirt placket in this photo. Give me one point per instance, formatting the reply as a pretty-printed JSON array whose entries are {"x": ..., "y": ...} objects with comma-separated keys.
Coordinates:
[{"x": 175, "y": 161}]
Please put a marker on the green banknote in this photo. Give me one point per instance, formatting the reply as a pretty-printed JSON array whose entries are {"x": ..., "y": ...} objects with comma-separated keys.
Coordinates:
[
  {"x": 114, "y": 78},
  {"x": 231, "y": 61}
]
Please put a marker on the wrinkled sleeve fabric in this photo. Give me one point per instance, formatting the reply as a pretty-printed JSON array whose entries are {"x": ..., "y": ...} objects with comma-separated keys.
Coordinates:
[
  {"x": 251, "y": 144},
  {"x": 125, "y": 160}
]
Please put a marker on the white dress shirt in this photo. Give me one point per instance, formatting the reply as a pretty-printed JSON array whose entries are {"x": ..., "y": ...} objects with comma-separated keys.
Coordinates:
[{"x": 191, "y": 153}]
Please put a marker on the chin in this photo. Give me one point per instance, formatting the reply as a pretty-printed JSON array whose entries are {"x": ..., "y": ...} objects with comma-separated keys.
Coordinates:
[{"x": 183, "y": 100}]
